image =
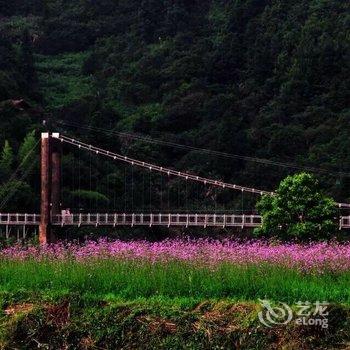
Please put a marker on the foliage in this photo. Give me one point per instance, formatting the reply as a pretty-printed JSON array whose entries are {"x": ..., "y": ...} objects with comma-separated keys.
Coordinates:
[
  {"x": 9, "y": 69},
  {"x": 60, "y": 79},
  {"x": 6, "y": 161},
  {"x": 87, "y": 198},
  {"x": 298, "y": 210},
  {"x": 27, "y": 156},
  {"x": 15, "y": 194},
  {"x": 27, "y": 64}
]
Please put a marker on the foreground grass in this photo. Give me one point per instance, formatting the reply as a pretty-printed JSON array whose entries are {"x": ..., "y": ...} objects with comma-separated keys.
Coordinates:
[
  {"x": 129, "y": 280},
  {"x": 158, "y": 323},
  {"x": 129, "y": 304}
]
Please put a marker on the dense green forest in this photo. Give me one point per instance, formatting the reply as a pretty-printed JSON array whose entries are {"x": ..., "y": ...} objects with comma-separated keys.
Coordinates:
[{"x": 257, "y": 78}]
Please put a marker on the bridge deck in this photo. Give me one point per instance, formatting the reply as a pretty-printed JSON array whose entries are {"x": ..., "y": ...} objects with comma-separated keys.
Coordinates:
[{"x": 123, "y": 219}]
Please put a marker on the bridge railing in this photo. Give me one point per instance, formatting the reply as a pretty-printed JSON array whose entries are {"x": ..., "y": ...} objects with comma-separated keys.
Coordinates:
[
  {"x": 125, "y": 219},
  {"x": 202, "y": 220},
  {"x": 19, "y": 219},
  {"x": 344, "y": 222}
]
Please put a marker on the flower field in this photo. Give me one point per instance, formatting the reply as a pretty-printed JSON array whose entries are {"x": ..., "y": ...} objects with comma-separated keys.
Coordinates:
[
  {"x": 315, "y": 258},
  {"x": 181, "y": 268}
]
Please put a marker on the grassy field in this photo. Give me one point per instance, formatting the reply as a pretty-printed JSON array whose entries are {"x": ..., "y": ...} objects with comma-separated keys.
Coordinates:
[{"x": 134, "y": 279}]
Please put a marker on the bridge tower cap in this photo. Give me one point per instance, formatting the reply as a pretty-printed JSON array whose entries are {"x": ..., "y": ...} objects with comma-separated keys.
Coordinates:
[{"x": 44, "y": 135}]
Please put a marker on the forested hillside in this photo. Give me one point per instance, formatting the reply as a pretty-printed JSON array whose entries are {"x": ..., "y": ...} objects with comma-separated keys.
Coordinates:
[{"x": 265, "y": 79}]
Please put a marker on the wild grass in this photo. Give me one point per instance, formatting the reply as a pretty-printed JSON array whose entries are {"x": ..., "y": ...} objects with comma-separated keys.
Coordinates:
[
  {"x": 132, "y": 279},
  {"x": 157, "y": 323}
]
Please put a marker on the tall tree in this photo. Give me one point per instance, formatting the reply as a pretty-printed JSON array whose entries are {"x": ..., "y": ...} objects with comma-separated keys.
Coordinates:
[
  {"x": 6, "y": 161},
  {"x": 25, "y": 150},
  {"x": 27, "y": 64}
]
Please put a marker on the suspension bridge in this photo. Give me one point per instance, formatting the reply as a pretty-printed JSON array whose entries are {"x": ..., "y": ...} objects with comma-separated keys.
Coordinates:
[{"x": 52, "y": 214}]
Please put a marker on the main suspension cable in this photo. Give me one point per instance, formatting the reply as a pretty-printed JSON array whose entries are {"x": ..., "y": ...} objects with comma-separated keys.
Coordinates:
[{"x": 153, "y": 167}]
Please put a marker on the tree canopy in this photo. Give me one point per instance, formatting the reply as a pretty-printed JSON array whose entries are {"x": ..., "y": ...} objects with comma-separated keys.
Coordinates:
[{"x": 298, "y": 210}]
